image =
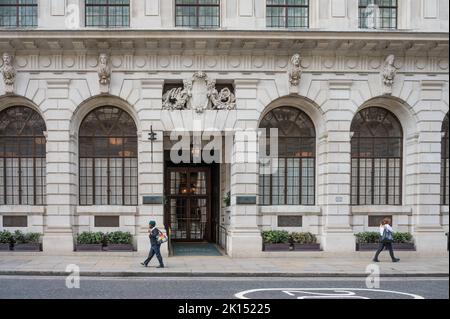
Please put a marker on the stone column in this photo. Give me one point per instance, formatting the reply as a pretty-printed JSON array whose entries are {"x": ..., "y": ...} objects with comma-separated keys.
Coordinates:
[
  {"x": 151, "y": 164},
  {"x": 337, "y": 234},
  {"x": 244, "y": 236},
  {"x": 427, "y": 228},
  {"x": 61, "y": 170}
]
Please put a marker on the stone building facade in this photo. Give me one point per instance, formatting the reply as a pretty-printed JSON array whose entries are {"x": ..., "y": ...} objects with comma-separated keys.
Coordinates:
[{"x": 89, "y": 100}]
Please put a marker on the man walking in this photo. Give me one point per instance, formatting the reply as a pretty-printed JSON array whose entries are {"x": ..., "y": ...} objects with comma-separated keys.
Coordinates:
[{"x": 155, "y": 246}]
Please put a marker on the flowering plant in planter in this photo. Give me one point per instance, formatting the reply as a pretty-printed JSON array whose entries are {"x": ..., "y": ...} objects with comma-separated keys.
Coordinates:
[
  {"x": 26, "y": 241},
  {"x": 6, "y": 240},
  {"x": 119, "y": 241}
]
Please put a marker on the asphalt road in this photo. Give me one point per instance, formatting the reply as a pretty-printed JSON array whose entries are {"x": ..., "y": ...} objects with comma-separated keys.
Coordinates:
[{"x": 221, "y": 288}]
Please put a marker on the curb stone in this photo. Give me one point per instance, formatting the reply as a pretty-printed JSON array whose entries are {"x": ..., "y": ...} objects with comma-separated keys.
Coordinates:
[{"x": 214, "y": 274}]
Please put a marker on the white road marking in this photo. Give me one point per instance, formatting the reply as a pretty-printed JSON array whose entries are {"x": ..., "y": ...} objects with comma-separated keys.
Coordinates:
[
  {"x": 318, "y": 293},
  {"x": 227, "y": 279}
]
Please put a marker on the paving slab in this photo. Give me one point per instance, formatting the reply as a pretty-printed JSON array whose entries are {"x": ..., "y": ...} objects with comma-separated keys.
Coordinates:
[{"x": 117, "y": 266}]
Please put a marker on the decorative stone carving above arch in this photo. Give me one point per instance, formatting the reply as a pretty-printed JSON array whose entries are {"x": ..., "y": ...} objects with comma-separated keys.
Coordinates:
[
  {"x": 295, "y": 73},
  {"x": 8, "y": 73},
  {"x": 388, "y": 74},
  {"x": 199, "y": 94},
  {"x": 104, "y": 72}
]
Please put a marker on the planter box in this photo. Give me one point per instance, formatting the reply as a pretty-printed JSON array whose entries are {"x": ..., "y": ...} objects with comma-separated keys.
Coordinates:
[
  {"x": 89, "y": 247},
  {"x": 5, "y": 247},
  {"x": 395, "y": 246},
  {"x": 27, "y": 247},
  {"x": 277, "y": 247},
  {"x": 404, "y": 246},
  {"x": 307, "y": 247},
  {"x": 119, "y": 247}
]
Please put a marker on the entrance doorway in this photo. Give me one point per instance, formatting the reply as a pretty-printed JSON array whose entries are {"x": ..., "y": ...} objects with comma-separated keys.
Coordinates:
[{"x": 188, "y": 205}]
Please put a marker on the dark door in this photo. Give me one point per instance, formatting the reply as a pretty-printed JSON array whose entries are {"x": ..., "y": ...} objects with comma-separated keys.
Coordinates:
[{"x": 188, "y": 206}]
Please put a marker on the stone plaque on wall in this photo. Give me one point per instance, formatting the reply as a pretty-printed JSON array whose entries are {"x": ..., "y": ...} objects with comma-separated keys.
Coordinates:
[
  {"x": 246, "y": 200},
  {"x": 153, "y": 200},
  {"x": 290, "y": 221},
  {"x": 15, "y": 221},
  {"x": 107, "y": 221}
]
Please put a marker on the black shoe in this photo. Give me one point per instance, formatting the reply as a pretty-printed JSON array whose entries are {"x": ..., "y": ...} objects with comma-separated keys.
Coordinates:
[
  {"x": 395, "y": 260},
  {"x": 376, "y": 261},
  {"x": 160, "y": 266},
  {"x": 144, "y": 264}
]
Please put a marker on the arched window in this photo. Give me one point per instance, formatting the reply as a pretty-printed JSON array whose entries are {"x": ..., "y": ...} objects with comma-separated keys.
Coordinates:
[
  {"x": 444, "y": 163},
  {"x": 293, "y": 183},
  {"x": 22, "y": 157},
  {"x": 108, "y": 158},
  {"x": 376, "y": 158}
]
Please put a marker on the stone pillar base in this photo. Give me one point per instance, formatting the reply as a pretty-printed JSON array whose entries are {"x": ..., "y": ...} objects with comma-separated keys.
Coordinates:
[
  {"x": 143, "y": 246},
  {"x": 58, "y": 243},
  {"x": 338, "y": 240},
  {"x": 244, "y": 243},
  {"x": 430, "y": 240}
]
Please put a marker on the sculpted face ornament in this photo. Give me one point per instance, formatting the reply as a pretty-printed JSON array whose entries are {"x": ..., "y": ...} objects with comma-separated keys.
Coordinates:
[
  {"x": 8, "y": 72},
  {"x": 388, "y": 74},
  {"x": 199, "y": 94},
  {"x": 295, "y": 73},
  {"x": 104, "y": 70}
]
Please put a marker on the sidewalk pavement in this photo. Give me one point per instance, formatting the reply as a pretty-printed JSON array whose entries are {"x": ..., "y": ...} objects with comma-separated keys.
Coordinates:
[{"x": 123, "y": 265}]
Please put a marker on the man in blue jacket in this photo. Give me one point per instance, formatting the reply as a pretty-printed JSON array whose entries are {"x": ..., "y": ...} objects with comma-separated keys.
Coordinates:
[{"x": 155, "y": 246}]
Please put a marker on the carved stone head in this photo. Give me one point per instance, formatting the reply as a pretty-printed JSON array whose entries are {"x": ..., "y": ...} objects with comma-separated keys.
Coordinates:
[
  {"x": 7, "y": 59},
  {"x": 103, "y": 59},
  {"x": 390, "y": 60},
  {"x": 296, "y": 60}
]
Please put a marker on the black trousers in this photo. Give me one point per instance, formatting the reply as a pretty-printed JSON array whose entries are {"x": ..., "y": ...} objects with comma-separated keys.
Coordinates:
[
  {"x": 155, "y": 250},
  {"x": 382, "y": 246}
]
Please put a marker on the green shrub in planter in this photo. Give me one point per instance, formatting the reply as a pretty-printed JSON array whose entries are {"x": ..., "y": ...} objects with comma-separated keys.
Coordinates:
[
  {"x": 374, "y": 238},
  {"x": 402, "y": 238},
  {"x": 275, "y": 237},
  {"x": 118, "y": 237},
  {"x": 368, "y": 237},
  {"x": 302, "y": 238},
  {"x": 89, "y": 238},
  {"x": 6, "y": 237},
  {"x": 227, "y": 199},
  {"x": 26, "y": 238}
]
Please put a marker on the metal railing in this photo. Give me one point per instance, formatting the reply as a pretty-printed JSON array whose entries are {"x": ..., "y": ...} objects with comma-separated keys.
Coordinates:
[
  {"x": 223, "y": 238},
  {"x": 169, "y": 242}
]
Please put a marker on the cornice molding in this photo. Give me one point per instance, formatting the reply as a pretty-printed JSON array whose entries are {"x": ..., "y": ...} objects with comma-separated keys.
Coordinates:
[
  {"x": 82, "y": 62},
  {"x": 180, "y": 34}
]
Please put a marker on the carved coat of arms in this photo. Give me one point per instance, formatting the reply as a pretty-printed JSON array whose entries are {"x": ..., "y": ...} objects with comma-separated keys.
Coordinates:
[{"x": 199, "y": 94}]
